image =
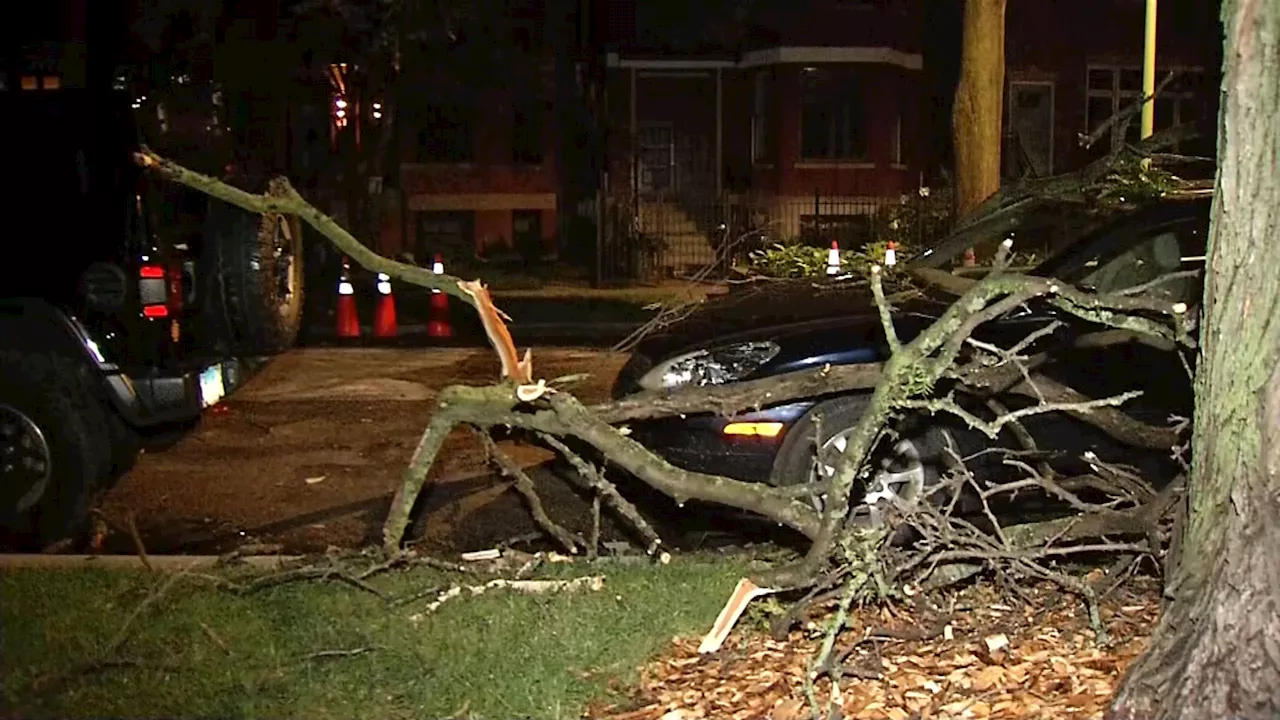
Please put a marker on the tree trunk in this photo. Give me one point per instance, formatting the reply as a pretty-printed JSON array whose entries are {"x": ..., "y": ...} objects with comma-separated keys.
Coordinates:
[
  {"x": 976, "y": 118},
  {"x": 1216, "y": 652}
]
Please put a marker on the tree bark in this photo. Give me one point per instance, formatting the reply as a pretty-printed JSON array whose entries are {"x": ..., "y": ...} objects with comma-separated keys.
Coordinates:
[
  {"x": 976, "y": 118},
  {"x": 1216, "y": 651}
]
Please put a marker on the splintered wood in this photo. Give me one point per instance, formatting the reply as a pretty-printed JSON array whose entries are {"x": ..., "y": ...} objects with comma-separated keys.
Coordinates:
[{"x": 994, "y": 661}]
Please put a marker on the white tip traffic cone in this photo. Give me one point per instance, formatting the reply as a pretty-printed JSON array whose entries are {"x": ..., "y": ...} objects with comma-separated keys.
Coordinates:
[
  {"x": 437, "y": 267},
  {"x": 833, "y": 259},
  {"x": 891, "y": 254}
]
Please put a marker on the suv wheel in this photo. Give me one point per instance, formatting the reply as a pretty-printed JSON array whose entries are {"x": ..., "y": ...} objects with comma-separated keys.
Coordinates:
[
  {"x": 54, "y": 446},
  {"x": 252, "y": 267}
]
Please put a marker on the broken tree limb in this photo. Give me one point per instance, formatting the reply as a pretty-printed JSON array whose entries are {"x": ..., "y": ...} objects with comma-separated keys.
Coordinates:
[
  {"x": 525, "y": 486},
  {"x": 916, "y": 368},
  {"x": 743, "y": 396},
  {"x": 1111, "y": 420},
  {"x": 283, "y": 198},
  {"x": 562, "y": 415}
]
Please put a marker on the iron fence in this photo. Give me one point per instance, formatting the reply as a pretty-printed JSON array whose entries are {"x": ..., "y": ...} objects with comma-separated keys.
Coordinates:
[{"x": 649, "y": 237}]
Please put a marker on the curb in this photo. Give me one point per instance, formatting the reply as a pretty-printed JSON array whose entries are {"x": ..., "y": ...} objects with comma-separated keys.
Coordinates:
[{"x": 165, "y": 563}]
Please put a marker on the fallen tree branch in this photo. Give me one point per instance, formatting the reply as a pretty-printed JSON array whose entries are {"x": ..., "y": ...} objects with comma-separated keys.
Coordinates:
[
  {"x": 909, "y": 379},
  {"x": 992, "y": 428},
  {"x": 561, "y": 414},
  {"x": 281, "y": 197},
  {"x": 743, "y": 396}
]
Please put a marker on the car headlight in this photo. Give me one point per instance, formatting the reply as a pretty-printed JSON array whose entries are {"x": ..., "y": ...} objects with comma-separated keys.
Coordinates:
[{"x": 715, "y": 366}]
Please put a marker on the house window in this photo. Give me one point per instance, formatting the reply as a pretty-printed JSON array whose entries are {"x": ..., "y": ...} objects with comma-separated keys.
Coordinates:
[
  {"x": 832, "y": 116},
  {"x": 526, "y": 132},
  {"x": 761, "y": 152},
  {"x": 1112, "y": 88},
  {"x": 447, "y": 134}
]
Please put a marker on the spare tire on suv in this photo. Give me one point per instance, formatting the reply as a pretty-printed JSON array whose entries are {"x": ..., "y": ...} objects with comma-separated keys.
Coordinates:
[{"x": 252, "y": 280}]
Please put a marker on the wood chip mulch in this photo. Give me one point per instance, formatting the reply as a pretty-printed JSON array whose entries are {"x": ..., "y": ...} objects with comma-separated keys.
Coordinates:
[{"x": 985, "y": 660}]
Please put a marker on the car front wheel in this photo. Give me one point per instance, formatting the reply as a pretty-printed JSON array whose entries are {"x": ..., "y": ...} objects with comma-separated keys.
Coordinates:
[{"x": 901, "y": 467}]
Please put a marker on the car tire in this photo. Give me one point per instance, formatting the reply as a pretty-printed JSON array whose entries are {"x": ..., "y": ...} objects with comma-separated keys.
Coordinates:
[
  {"x": 48, "y": 408},
  {"x": 252, "y": 280},
  {"x": 797, "y": 463}
]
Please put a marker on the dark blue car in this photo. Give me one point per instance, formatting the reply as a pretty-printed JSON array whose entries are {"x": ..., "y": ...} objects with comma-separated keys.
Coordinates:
[{"x": 771, "y": 328}]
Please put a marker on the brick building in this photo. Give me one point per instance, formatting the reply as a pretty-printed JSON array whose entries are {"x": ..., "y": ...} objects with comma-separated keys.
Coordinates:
[{"x": 817, "y": 114}]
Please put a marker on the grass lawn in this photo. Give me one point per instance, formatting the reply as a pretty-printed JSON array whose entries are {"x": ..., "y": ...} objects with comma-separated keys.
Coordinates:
[{"x": 315, "y": 649}]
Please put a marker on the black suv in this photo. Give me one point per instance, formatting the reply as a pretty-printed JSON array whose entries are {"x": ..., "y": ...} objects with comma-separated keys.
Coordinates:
[{"x": 104, "y": 338}]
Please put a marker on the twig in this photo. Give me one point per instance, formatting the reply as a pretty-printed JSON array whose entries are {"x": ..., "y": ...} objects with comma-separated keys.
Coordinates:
[
  {"x": 524, "y": 485},
  {"x": 213, "y": 637},
  {"x": 416, "y": 596},
  {"x": 138, "y": 545},
  {"x": 299, "y": 575},
  {"x": 593, "y": 479},
  {"x": 1125, "y": 114},
  {"x": 992, "y": 428},
  {"x": 593, "y": 542},
  {"x": 885, "y": 310},
  {"x": 106, "y": 656},
  {"x": 533, "y": 587},
  {"x": 334, "y": 654},
  {"x": 822, "y": 663}
]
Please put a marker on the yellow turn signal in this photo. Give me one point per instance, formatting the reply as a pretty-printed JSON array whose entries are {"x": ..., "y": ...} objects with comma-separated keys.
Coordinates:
[{"x": 763, "y": 429}]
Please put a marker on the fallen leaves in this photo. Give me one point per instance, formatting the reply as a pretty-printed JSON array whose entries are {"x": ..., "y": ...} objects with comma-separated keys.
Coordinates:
[{"x": 993, "y": 662}]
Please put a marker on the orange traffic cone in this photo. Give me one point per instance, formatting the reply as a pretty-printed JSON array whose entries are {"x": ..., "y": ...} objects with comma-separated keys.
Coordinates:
[
  {"x": 438, "y": 325},
  {"x": 833, "y": 259},
  {"x": 384, "y": 317},
  {"x": 348, "y": 318},
  {"x": 891, "y": 254}
]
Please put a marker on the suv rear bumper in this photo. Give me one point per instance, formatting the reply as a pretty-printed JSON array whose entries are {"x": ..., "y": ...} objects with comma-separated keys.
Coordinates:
[
  {"x": 156, "y": 398},
  {"x": 146, "y": 394}
]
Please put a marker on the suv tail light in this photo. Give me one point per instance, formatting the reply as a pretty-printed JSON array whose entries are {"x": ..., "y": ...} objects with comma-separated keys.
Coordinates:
[{"x": 153, "y": 291}]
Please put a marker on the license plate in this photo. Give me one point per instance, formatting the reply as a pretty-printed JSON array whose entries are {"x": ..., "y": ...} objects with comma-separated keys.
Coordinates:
[{"x": 212, "y": 388}]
